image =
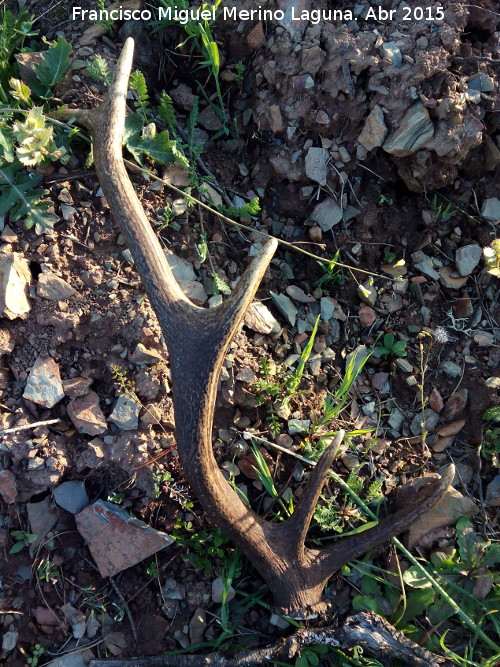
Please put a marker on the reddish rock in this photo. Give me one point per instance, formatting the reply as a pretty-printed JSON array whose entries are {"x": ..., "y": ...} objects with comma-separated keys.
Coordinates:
[
  {"x": 116, "y": 540},
  {"x": 436, "y": 400},
  {"x": 450, "y": 429},
  {"x": 86, "y": 414},
  {"x": 315, "y": 234},
  {"x": 441, "y": 444},
  {"x": 455, "y": 405},
  {"x": 462, "y": 307},
  {"x": 256, "y": 37},
  {"x": 367, "y": 316},
  {"x": 76, "y": 387},
  {"x": 8, "y": 489},
  {"x": 44, "y": 616}
]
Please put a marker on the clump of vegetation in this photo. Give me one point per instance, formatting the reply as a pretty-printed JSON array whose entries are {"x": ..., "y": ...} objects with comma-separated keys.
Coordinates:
[
  {"x": 390, "y": 346},
  {"x": 491, "y": 256}
]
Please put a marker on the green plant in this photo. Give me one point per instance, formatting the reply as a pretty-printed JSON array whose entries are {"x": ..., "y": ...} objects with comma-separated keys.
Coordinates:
[
  {"x": 384, "y": 199},
  {"x": 38, "y": 651},
  {"x": 106, "y": 23},
  {"x": 442, "y": 213},
  {"x": 331, "y": 273},
  {"x": 264, "y": 474},
  {"x": 159, "y": 480},
  {"x": 490, "y": 446},
  {"x": 21, "y": 539},
  {"x": 250, "y": 209},
  {"x": 14, "y": 30},
  {"x": 137, "y": 83},
  {"x": 204, "y": 549},
  {"x": 240, "y": 73},
  {"x": 47, "y": 571},
  {"x": 390, "y": 346},
  {"x": 152, "y": 570},
  {"x": 99, "y": 70},
  {"x": 491, "y": 256}
]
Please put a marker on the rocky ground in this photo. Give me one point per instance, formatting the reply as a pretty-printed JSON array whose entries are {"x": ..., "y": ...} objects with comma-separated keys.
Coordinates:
[{"x": 379, "y": 139}]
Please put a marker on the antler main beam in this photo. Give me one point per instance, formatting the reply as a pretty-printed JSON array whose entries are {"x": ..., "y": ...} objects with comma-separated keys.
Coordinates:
[{"x": 197, "y": 340}]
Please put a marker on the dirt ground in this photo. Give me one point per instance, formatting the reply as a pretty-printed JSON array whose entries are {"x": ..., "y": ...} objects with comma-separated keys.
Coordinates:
[{"x": 390, "y": 129}]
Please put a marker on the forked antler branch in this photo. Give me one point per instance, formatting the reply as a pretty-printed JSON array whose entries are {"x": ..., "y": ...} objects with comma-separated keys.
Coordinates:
[{"x": 197, "y": 340}]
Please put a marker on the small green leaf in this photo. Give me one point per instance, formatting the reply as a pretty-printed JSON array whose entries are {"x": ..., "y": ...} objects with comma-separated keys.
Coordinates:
[
  {"x": 364, "y": 603},
  {"x": 15, "y": 548},
  {"x": 469, "y": 545},
  {"x": 399, "y": 348},
  {"x": 6, "y": 145},
  {"x": 492, "y": 413},
  {"x": 414, "y": 578},
  {"x": 388, "y": 341},
  {"x": 19, "y": 90},
  {"x": 51, "y": 70},
  {"x": 417, "y": 602}
]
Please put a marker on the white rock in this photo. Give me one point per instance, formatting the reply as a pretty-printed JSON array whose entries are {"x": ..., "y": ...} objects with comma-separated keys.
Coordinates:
[
  {"x": 327, "y": 214},
  {"x": 316, "y": 164},
  {"x": 125, "y": 413},
  {"x": 260, "y": 319},
  {"x": 44, "y": 385},
  {"x": 15, "y": 278},
  {"x": 285, "y": 306},
  {"x": 467, "y": 258},
  {"x": 53, "y": 288},
  {"x": 491, "y": 209}
]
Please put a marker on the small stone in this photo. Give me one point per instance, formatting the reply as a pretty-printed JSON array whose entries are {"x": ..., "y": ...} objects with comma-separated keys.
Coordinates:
[
  {"x": 71, "y": 496},
  {"x": 256, "y": 37},
  {"x": 327, "y": 214},
  {"x": 76, "y": 387},
  {"x": 68, "y": 212},
  {"x": 414, "y": 130},
  {"x": 483, "y": 338},
  {"x": 285, "y": 306},
  {"x": 218, "y": 589},
  {"x": 246, "y": 375},
  {"x": 315, "y": 234},
  {"x": 462, "y": 308},
  {"x": 279, "y": 622},
  {"x": 15, "y": 278},
  {"x": 374, "y": 131},
  {"x": 441, "y": 444},
  {"x": 379, "y": 381},
  {"x": 493, "y": 382},
  {"x": 455, "y": 405},
  {"x": 297, "y": 426},
  {"x": 8, "y": 488},
  {"x": 181, "y": 268},
  {"x": 194, "y": 291},
  {"x": 44, "y": 385},
  {"x": 298, "y": 294},
  {"x": 9, "y": 640},
  {"x": 76, "y": 619},
  {"x": 317, "y": 164},
  {"x": 260, "y": 319},
  {"x": 423, "y": 263},
  {"x": 86, "y": 414},
  {"x": 391, "y": 53},
  {"x": 116, "y": 540},
  {"x": 451, "y": 369},
  {"x": 404, "y": 365},
  {"x": 7, "y": 343},
  {"x": 327, "y": 305},
  {"x": 351, "y": 461},
  {"x": 481, "y": 82},
  {"x": 450, "y": 278},
  {"x": 53, "y": 288},
  {"x": 436, "y": 400},
  {"x": 452, "y": 429},
  {"x": 493, "y": 492},
  {"x": 367, "y": 316},
  {"x": 395, "y": 419},
  {"x": 367, "y": 293},
  {"x": 467, "y": 258},
  {"x": 430, "y": 419},
  {"x": 275, "y": 119},
  {"x": 141, "y": 355},
  {"x": 197, "y": 626},
  {"x": 491, "y": 210},
  {"x": 209, "y": 120},
  {"x": 125, "y": 414}
]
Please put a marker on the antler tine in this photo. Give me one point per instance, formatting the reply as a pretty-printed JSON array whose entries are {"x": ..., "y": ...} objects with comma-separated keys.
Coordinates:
[
  {"x": 298, "y": 524},
  {"x": 197, "y": 340}
]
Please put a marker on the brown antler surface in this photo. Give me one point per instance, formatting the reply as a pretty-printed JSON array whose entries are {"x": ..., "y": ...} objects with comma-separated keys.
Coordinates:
[{"x": 197, "y": 340}]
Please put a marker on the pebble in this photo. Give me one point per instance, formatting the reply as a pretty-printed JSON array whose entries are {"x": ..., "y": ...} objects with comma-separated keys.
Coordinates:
[
  {"x": 260, "y": 319},
  {"x": 451, "y": 369},
  {"x": 218, "y": 591},
  {"x": 246, "y": 375},
  {"x": 367, "y": 316},
  {"x": 447, "y": 430},
  {"x": 9, "y": 640},
  {"x": 404, "y": 365},
  {"x": 297, "y": 426},
  {"x": 53, "y": 288},
  {"x": 44, "y": 385},
  {"x": 116, "y": 540},
  {"x": 430, "y": 419},
  {"x": 491, "y": 210},
  {"x": 493, "y": 492},
  {"x": 71, "y": 496},
  {"x": 436, "y": 400},
  {"x": 327, "y": 214},
  {"x": 467, "y": 258},
  {"x": 392, "y": 53},
  {"x": 450, "y": 278},
  {"x": 414, "y": 130},
  {"x": 317, "y": 164},
  {"x": 481, "y": 82},
  {"x": 15, "y": 277},
  {"x": 86, "y": 414},
  {"x": 8, "y": 488},
  {"x": 455, "y": 405},
  {"x": 76, "y": 387},
  {"x": 279, "y": 622},
  {"x": 143, "y": 355},
  {"x": 125, "y": 414},
  {"x": 315, "y": 234},
  {"x": 367, "y": 293},
  {"x": 424, "y": 264},
  {"x": 197, "y": 626},
  {"x": 286, "y": 307},
  {"x": 374, "y": 131},
  {"x": 298, "y": 294},
  {"x": 483, "y": 338},
  {"x": 441, "y": 444}
]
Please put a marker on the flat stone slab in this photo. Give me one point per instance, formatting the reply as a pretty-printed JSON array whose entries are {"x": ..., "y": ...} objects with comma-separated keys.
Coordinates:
[
  {"x": 86, "y": 414},
  {"x": 53, "y": 288},
  {"x": 116, "y": 540},
  {"x": 44, "y": 385}
]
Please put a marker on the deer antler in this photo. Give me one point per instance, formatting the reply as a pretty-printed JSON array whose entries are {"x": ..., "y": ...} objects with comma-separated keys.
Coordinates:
[{"x": 197, "y": 340}]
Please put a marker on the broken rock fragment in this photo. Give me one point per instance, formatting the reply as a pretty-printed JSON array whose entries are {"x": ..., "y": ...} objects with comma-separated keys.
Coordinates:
[
  {"x": 260, "y": 319},
  {"x": 8, "y": 489},
  {"x": 44, "y": 385},
  {"x": 116, "y": 541},
  {"x": 374, "y": 131},
  {"x": 15, "y": 278},
  {"x": 125, "y": 414},
  {"x": 86, "y": 414},
  {"x": 53, "y": 288},
  {"x": 414, "y": 131}
]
